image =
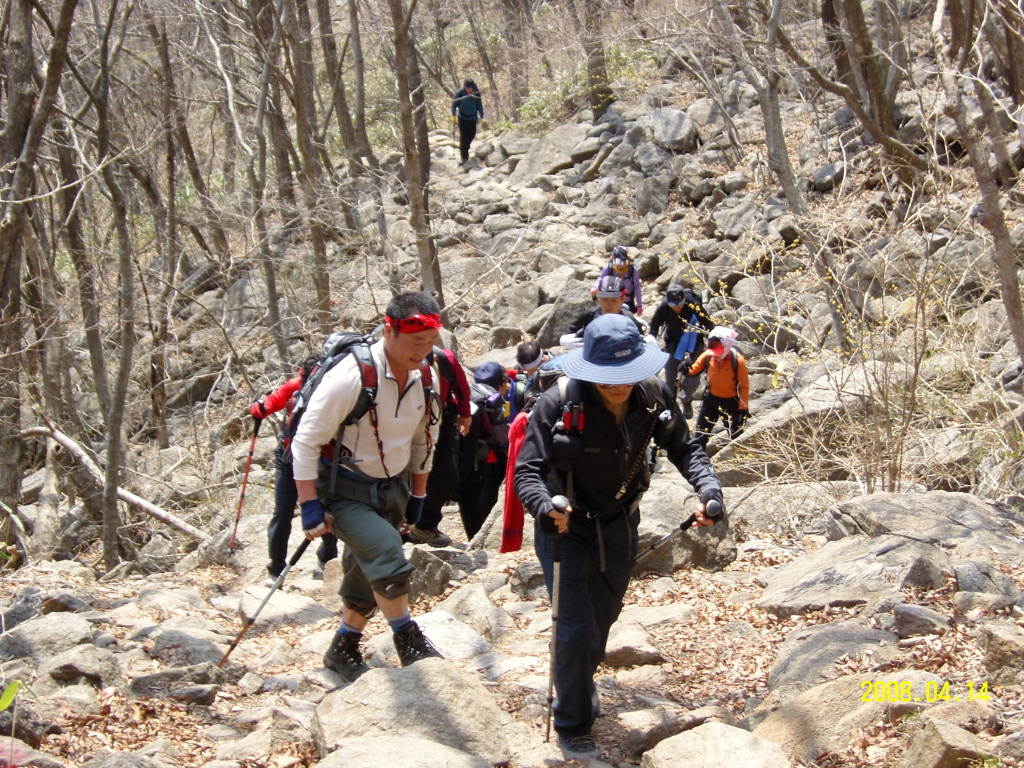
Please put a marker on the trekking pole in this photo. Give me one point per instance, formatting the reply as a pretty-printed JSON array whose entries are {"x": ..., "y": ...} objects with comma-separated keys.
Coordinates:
[
  {"x": 245, "y": 482},
  {"x": 561, "y": 503},
  {"x": 687, "y": 523},
  {"x": 273, "y": 589}
]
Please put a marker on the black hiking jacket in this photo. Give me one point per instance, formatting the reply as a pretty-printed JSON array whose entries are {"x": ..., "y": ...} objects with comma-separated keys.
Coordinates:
[{"x": 607, "y": 454}]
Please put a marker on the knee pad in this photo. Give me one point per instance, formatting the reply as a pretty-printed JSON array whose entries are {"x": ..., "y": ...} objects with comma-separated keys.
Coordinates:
[
  {"x": 363, "y": 609},
  {"x": 391, "y": 587}
]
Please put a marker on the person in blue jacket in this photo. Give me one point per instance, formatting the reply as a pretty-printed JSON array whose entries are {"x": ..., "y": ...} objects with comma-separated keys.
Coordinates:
[{"x": 467, "y": 112}]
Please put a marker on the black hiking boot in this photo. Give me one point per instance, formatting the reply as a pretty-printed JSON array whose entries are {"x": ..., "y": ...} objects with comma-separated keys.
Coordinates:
[
  {"x": 344, "y": 657},
  {"x": 412, "y": 645}
]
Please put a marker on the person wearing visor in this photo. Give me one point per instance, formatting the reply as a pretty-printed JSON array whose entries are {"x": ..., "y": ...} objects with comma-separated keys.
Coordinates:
[
  {"x": 728, "y": 390},
  {"x": 620, "y": 266},
  {"x": 587, "y": 440},
  {"x": 686, "y": 324},
  {"x": 610, "y": 301},
  {"x": 379, "y": 483}
]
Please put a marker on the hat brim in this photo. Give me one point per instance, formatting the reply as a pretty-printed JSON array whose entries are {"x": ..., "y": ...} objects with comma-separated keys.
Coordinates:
[{"x": 636, "y": 370}]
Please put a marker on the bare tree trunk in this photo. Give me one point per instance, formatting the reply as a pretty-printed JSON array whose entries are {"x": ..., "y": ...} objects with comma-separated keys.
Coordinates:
[
  {"x": 599, "y": 90},
  {"x": 992, "y": 218},
  {"x": 27, "y": 112},
  {"x": 518, "y": 51},
  {"x": 297, "y": 35},
  {"x": 85, "y": 269},
  {"x": 485, "y": 59},
  {"x": 430, "y": 269},
  {"x": 334, "y": 76},
  {"x": 359, "y": 90}
]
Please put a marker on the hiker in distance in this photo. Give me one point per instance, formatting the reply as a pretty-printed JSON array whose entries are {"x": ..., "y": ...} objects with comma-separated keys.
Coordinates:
[
  {"x": 363, "y": 497},
  {"x": 600, "y": 464},
  {"x": 610, "y": 297},
  {"x": 686, "y": 325},
  {"x": 728, "y": 389},
  {"x": 456, "y": 418},
  {"x": 621, "y": 266},
  {"x": 467, "y": 113},
  {"x": 285, "y": 496}
]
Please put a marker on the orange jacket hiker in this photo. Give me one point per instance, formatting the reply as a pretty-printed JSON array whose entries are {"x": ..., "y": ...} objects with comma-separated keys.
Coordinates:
[{"x": 723, "y": 381}]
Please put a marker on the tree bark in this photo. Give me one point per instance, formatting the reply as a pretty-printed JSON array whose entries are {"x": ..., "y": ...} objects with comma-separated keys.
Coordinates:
[
  {"x": 599, "y": 90},
  {"x": 430, "y": 269},
  {"x": 992, "y": 217}
]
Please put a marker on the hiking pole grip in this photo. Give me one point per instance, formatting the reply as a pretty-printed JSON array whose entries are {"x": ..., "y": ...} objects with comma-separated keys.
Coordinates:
[{"x": 277, "y": 583}]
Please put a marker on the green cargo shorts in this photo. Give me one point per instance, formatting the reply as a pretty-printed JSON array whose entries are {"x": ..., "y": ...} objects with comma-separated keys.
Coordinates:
[{"x": 366, "y": 520}]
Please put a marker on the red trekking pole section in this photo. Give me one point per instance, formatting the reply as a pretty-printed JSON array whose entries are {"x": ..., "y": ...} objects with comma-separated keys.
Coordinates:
[{"x": 245, "y": 482}]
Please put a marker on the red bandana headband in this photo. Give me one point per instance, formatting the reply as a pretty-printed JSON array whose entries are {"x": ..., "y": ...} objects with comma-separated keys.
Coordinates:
[{"x": 415, "y": 323}]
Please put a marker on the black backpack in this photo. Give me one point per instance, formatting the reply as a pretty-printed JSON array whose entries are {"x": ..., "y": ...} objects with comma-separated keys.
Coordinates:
[{"x": 336, "y": 348}]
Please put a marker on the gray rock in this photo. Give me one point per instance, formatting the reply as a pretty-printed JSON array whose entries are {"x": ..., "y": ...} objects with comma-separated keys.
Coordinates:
[
  {"x": 663, "y": 509},
  {"x": 168, "y": 681},
  {"x": 809, "y": 655},
  {"x": 962, "y": 524},
  {"x": 715, "y": 744},
  {"x": 1003, "y": 646},
  {"x": 573, "y": 300},
  {"x": 28, "y": 726},
  {"x": 730, "y": 222},
  {"x": 187, "y": 646},
  {"x": 974, "y": 604},
  {"x": 652, "y": 194},
  {"x": 586, "y": 149},
  {"x": 282, "y": 608},
  {"x": 829, "y": 176},
  {"x": 82, "y": 664},
  {"x": 471, "y": 604},
  {"x": 17, "y": 753},
  {"x": 514, "y": 303},
  {"x": 431, "y": 575},
  {"x": 980, "y": 576},
  {"x": 674, "y": 130},
  {"x": 123, "y": 760},
  {"x": 733, "y": 181},
  {"x": 628, "y": 236},
  {"x": 1012, "y": 747},
  {"x": 80, "y": 699},
  {"x": 530, "y": 205},
  {"x": 602, "y": 217},
  {"x": 630, "y": 645},
  {"x": 45, "y": 636},
  {"x": 916, "y": 620},
  {"x": 432, "y": 699},
  {"x": 824, "y": 718},
  {"x": 942, "y": 745},
  {"x": 549, "y": 154},
  {"x": 517, "y": 145},
  {"x": 450, "y": 636},
  {"x": 398, "y": 752},
  {"x": 528, "y": 579},
  {"x": 852, "y": 572}
]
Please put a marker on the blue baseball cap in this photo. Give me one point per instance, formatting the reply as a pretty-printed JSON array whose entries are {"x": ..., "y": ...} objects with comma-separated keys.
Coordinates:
[
  {"x": 489, "y": 373},
  {"x": 613, "y": 353}
]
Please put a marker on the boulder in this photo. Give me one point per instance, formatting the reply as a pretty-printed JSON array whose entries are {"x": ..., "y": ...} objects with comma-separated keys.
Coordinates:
[
  {"x": 398, "y": 752},
  {"x": 964, "y": 525},
  {"x": 189, "y": 646},
  {"x": 943, "y": 745},
  {"x": 570, "y": 303},
  {"x": 809, "y": 655},
  {"x": 168, "y": 681},
  {"x": 852, "y": 572},
  {"x": 15, "y": 752},
  {"x": 514, "y": 303},
  {"x": 651, "y": 159},
  {"x": 829, "y": 176},
  {"x": 530, "y": 204},
  {"x": 1003, "y": 646},
  {"x": 674, "y": 130},
  {"x": 471, "y": 604},
  {"x": 662, "y": 510},
  {"x": 630, "y": 645},
  {"x": 713, "y": 745},
  {"x": 731, "y": 222},
  {"x": 282, "y": 608},
  {"x": 825, "y": 718},
  {"x": 549, "y": 154},
  {"x": 916, "y": 620},
  {"x": 45, "y": 636},
  {"x": 123, "y": 760},
  {"x": 431, "y": 575},
  {"x": 82, "y": 664},
  {"x": 432, "y": 699},
  {"x": 980, "y": 576}
]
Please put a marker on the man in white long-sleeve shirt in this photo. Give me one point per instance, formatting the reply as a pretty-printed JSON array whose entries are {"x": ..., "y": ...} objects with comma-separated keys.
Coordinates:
[{"x": 368, "y": 500}]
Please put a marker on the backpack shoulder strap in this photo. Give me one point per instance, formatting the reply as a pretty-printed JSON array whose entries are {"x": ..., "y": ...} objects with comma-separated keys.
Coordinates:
[
  {"x": 368, "y": 380},
  {"x": 735, "y": 370},
  {"x": 571, "y": 394}
]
